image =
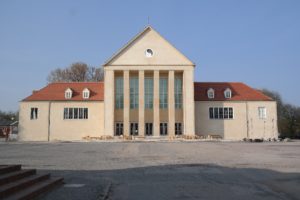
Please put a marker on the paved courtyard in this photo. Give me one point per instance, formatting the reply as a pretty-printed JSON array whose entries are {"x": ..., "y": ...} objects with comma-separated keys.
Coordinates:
[{"x": 164, "y": 170}]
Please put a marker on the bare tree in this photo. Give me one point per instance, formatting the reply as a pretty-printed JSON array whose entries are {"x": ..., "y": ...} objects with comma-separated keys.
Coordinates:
[{"x": 76, "y": 72}]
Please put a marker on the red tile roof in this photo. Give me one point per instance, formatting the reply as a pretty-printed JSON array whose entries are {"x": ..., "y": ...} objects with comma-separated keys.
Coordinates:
[
  {"x": 56, "y": 92},
  {"x": 240, "y": 92}
]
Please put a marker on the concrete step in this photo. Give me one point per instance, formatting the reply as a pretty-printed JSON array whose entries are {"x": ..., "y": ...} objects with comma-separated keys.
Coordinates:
[
  {"x": 36, "y": 189},
  {"x": 11, "y": 188},
  {"x": 9, "y": 168},
  {"x": 16, "y": 175}
]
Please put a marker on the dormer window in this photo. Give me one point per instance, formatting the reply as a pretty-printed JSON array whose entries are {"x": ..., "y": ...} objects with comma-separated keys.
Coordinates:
[
  {"x": 211, "y": 93},
  {"x": 68, "y": 93},
  {"x": 227, "y": 93},
  {"x": 86, "y": 93}
]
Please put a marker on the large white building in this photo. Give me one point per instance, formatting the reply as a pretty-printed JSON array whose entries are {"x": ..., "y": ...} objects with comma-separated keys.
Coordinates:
[{"x": 148, "y": 91}]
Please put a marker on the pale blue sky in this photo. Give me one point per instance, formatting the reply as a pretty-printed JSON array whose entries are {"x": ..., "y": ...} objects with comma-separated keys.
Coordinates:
[{"x": 254, "y": 41}]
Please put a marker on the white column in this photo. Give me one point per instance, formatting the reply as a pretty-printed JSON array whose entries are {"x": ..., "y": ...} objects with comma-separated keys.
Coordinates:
[
  {"x": 171, "y": 104},
  {"x": 189, "y": 102},
  {"x": 141, "y": 103},
  {"x": 109, "y": 90},
  {"x": 126, "y": 103},
  {"x": 156, "y": 104}
]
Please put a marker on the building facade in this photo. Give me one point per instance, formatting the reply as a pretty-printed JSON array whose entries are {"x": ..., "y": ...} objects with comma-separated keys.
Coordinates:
[{"x": 148, "y": 91}]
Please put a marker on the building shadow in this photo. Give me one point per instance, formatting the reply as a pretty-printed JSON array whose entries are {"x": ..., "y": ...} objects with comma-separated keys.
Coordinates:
[{"x": 186, "y": 181}]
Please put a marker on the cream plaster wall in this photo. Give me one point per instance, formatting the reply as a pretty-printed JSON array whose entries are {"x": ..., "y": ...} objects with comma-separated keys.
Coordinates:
[
  {"x": 76, "y": 129},
  {"x": 237, "y": 128},
  {"x": 60, "y": 129},
  {"x": 33, "y": 130}
]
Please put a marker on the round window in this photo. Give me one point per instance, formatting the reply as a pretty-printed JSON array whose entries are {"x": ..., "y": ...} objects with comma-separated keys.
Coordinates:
[{"x": 149, "y": 53}]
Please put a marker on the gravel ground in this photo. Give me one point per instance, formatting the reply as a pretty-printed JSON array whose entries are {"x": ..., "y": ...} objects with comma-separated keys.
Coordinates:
[{"x": 164, "y": 170}]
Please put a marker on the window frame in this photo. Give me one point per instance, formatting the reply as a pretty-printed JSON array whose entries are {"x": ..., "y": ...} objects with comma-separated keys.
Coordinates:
[
  {"x": 119, "y": 93},
  {"x": 164, "y": 126},
  {"x": 119, "y": 129},
  {"x": 221, "y": 113},
  {"x": 163, "y": 93},
  {"x": 75, "y": 113},
  {"x": 178, "y": 93},
  {"x": 86, "y": 93},
  {"x": 228, "y": 91},
  {"x": 262, "y": 112},
  {"x": 134, "y": 92},
  {"x": 34, "y": 113},
  {"x": 68, "y": 93},
  {"x": 148, "y": 92},
  {"x": 148, "y": 125},
  {"x": 209, "y": 92},
  {"x": 178, "y": 128}
]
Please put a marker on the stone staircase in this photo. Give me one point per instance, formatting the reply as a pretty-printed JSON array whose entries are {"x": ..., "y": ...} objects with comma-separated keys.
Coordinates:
[{"x": 17, "y": 183}]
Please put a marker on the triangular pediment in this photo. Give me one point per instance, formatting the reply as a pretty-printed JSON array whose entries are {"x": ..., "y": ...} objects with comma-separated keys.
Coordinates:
[{"x": 160, "y": 52}]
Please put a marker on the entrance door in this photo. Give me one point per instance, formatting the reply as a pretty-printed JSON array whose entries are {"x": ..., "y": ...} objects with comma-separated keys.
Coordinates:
[
  {"x": 119, "y": 129},
  {"x": 134, "y": 128},
  {"x": 148, "y": 129},
  {"x": 163, "y": 128}
]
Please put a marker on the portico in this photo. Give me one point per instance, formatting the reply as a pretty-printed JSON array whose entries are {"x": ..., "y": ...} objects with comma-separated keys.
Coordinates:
[{"x": 147, "y": 102}]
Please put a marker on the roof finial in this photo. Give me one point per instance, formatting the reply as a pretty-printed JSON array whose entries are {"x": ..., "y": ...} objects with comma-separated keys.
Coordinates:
[{"x": 148, "y": 21}]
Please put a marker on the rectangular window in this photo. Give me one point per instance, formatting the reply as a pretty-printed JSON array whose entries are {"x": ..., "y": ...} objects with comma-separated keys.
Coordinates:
[
  {"x": 163, "y": 93},
  {"x": 230, "y": 113},
  {"x": 119, "y": 129},
  {"x": 216, "y": 113},
  {"x": 262, "y": 112},
  {"x": 134, "y": 92},
  {"x": 226, "y": 113},
  {"x": 163, "y": 129},
  {"x": 211, "y": 113},
  {"x": 76, "y": 113},
  {"x": 178, "y": 129},
  {"x": 134, "y": 129},
  {"x": 220, "y": 113},
  {"x": 33, "y": 113},
  {"x": 178, "y": 93},
  {"x": 148, "y": 93},
  {"x": 80, "y": 113},
  {"x": 148, "y": 129},
  {"x": 119, "y": 97}
]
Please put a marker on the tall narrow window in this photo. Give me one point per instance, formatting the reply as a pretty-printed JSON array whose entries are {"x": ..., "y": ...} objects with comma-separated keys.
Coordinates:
[
  {"x": 163, "y": 128},
  {"x": 119, "y": 129},
  {"x": 134, "y": 128},
  {"x": 178, "y": 93},
  {"x": 119, "y": 99},
  {"x": 33, "y": 113},
  {"x": 148, "y": 129},
  {"x": 134, "y": 92},
  {"x": 211, "y": 113},
  {"x": 262, "y": 112},
  {"x": 178, "y": 129},
  {"x": 148, "y": 93},
  {"x": 163, "y": 93}
]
